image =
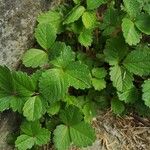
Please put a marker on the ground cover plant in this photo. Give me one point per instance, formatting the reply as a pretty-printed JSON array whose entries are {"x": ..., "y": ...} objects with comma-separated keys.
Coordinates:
[{"x": 90, "y": 55}]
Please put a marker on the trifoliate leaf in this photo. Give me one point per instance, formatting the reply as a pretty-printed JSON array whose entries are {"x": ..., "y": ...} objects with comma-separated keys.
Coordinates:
[
  {"x": 121, "y": 78},
  {"x": 138, "y": 61},
  {"x": 131, "y": 34},
  {"x": 132, "y": 7},
  {"x": 117, "y": 106},
  {"x": 52, "y": 85},
  {"x": 32, "y": 134},
  {"x": 32, "y": 109},
  {"x": 45, "y": 35},
  {"x": 129, "y": 95},
  {"x": 51, "y": 17},
  {"x": 115, "y": 50},
  {"x": 74, "y": 14},
  {"x": 143, "y": 23},
  {"x": 53, "y": 108},
  {"x": 78, "y": 75},
  {"x": 82, "y": 134},
  {"x": 146, "y": 92},
  {"x": 86, "y": 37},
  {"x": 34, "y": 58},
  {"x": 71, "y": 116},
  {"x": 93, "y": 4},
  {"x": 99, "y": 73},
  {"x": 98, "y": 84},
  {"x": 62, "y": 139},
  {"x": 24, "y": 85},
  {"x": 89, "y": 20}
]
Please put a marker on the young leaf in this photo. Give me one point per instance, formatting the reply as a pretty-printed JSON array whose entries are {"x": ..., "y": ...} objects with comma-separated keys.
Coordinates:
[
  {"x": 35, "y": 58},
  {"x": 45, "y": 35},
  {"x": 121, "y": 78},
  {"x": 82, "y": 134},
  {"x": 78, "y": 75},
  {"x": 74, "y": 14},
  {"x": 146, "y": 92},
  {"x": 138, "y": 61},
  {"x": 115, "y": 50},
  {"x": 143, "y": 23},
  {"x": 89, "y": 20},
  {"x": 52, "y": 85},
  {"x": 99, "y": 73},
  {"x": 77, "y": 1},
  {"x": 54, "y": 108},
  {"x": 62, "y": 139},
  {"x": 93, "y": 4},
  {"x": 131, "y": 34},
  {"x": 86, "y": 37},
  {"x": 32, "y": 109},
  {"x": 99, "y": 84},
  {"x": 117, "y": 106}
]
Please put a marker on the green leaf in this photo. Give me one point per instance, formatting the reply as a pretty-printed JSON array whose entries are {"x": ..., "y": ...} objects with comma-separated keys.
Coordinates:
[
  {"x": 62, "y": 137},
  {"x": 132, "y": 7},
  {"x": 51, "y": 17},
  {"x": 74, "y": 14},
  {"x": 146, "y": 92},
  {"x": 93, "y": 4},
  {"x": 115, "y": 50},
  {"x": 99, "y": 73},
  {"x": 99, "y": 84},
  {"x": 82, "y": 134},
  {"x": 24, "y": 142},
  {"x": 131, "y": 34},
  {"x": 89, "y": 20},
  {"x": 53, "y": 108},
  {"x": 4, "y": 102},
  {"x": 33, "y": 134},
  {"x": 143, "y": 22},
  {"x": 86, "y": 37},
  {"x": 121, "y": 78},
  {"x": 32, "y": 109},
  {"x": 138, "y": 61},
  {"x": 45, "y": 35},
  {"x": 24, "y": 85},
  {"x": 35, "y": 58},
  {"x": 78, "y": 75},
  {"x": 52, "y": 85},
  {"x": 77, "y": 1},
  {"x": 71, "y": 116},
  {"x": 117, "y": 106}
]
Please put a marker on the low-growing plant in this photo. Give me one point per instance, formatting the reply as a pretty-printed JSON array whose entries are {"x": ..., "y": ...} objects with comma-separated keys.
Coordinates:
[{"x": 92, "y": 54}]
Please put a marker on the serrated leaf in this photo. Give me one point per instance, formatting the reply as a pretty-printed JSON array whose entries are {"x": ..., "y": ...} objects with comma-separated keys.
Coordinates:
[
  {"x": 51, "y": 17},
  {"x": 115, "y": 50},
  {"x": 53, "y": 108},
  {"x": 98, "y": 84},
  {"x": 33, "y": 134},
  {"x": 45, "y": 35},
  {"x": 82, "y": 134},
  {"x": 52, "y": 85},
  {"x": 78, "y": 75},
  {"x": 117, "y": 106},
  {"x": 62, "y": 137},
  {"x": 146, "y": 92},
  {"x": 32, "y": 109},
  {"x": 71, "y": 116},
  {"x": 138, "y": 61},
  {"x": 24, "y": 85},
  {"x": 4, "y": 102},
  {"x": 143, "y": 23},
  {"x": 93, "y": 4},
  {"x": 74, "y": 14},
  {"x": 132, "y": 7},
  {"x": 86, "y": 37},
  {"x": 121, "y": 78},
  {"x": 89, "y": 20},
  {"x": 35, "y": 58},
  {"x": 99, "y": 73},
  {"x": 131, "y": 34}
]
